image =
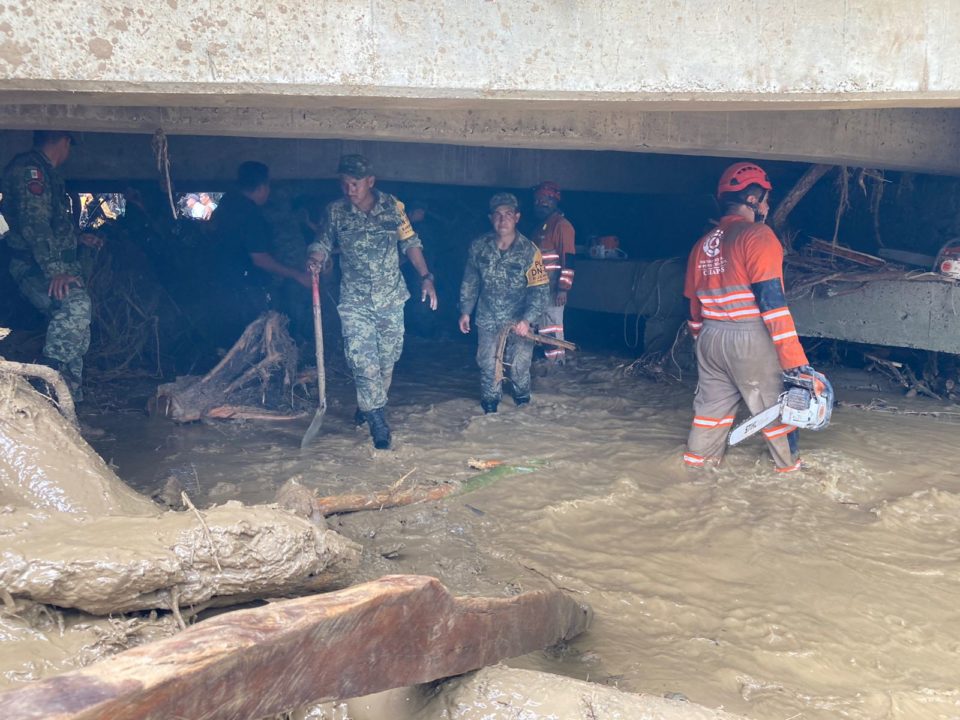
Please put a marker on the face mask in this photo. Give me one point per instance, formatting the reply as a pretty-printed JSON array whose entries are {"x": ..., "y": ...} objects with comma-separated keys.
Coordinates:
[{"x": 541, "y": 211}]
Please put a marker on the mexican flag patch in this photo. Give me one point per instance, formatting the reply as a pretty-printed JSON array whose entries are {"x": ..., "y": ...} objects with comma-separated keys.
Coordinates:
[{"x": 35, "y": 181}]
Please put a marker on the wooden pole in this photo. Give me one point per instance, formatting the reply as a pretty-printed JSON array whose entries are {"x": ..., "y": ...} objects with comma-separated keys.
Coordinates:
[
  {"x": 397, "y": 631},
  {"x": 801, "y": 188}
]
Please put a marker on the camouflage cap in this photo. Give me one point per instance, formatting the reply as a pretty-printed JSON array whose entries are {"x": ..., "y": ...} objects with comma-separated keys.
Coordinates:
[
  {"x": 356, "y": 166},
  {"x": 503, "y": 198}
]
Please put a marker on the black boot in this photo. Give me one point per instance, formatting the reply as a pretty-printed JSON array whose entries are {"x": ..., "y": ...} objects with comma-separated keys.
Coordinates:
[
  {"x": 521, "y": 400},
  {"x": 379, "y": 430},
  {"x": 359, "y": 417},
  {"x": 489, "y": 406}
]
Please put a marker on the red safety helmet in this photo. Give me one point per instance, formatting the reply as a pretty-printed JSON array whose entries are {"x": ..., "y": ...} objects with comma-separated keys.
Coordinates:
[
  {"x": 547, "y": 188},
  {"x": 742, "y": 175}
]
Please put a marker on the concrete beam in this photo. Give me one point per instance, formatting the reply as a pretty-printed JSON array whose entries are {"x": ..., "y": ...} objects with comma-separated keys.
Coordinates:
[
  {"x": 697, "y": 52},
  {"x": 917, "y": 140},
  {"x": 212, "y": 161},
  {"x": 902, "y": 313}
]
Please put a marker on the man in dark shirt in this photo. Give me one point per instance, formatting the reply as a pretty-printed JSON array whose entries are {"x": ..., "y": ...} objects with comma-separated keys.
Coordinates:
[{"x": 247, "y": 267}]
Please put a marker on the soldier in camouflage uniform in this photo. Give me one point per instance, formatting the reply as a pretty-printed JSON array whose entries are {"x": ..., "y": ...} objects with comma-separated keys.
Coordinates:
[
  {"x": 368, "y": 226},
  {"x": 506, "y": 283},
  {"x": 43, "y": 243}
]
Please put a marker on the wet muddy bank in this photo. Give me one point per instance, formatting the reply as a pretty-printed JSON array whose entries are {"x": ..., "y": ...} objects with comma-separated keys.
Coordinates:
[{"x": 830, "y": 594}]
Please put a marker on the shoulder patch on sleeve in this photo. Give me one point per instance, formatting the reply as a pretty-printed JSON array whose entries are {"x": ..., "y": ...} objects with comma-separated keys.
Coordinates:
[
  {"x": 536, "y": 273},
  {"x": 33, "y": 176},
  {"x": 405, "y": 228}
]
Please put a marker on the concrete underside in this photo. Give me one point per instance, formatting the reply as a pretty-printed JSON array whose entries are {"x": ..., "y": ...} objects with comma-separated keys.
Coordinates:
[
  {"x": 919, "y": 140},
  {"x": 901, "y": 313},
  {"x": 504, "y": 93},
  {"x": 923, "y": 315},
  {"x": 868, "y": 83}
]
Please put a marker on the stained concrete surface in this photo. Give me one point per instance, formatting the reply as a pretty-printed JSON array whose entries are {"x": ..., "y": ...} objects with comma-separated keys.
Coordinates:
[{"x": 864, "y": 83}]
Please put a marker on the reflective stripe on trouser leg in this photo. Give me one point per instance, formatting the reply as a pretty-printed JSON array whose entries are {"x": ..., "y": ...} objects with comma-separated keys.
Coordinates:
[
  {"x": 551, "y": 323},
  {"x": 714, "y": 406},
  {"x": 373, "y": 341},
  {"x": 739, "y": 360}
]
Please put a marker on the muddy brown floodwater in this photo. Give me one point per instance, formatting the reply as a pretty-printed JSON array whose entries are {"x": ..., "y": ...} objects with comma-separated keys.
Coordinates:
[{"x": 827, "y": 594}]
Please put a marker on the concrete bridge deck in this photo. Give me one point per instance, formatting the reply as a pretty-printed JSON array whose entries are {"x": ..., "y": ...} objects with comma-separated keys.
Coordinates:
[{"x": 865, "y": 82}]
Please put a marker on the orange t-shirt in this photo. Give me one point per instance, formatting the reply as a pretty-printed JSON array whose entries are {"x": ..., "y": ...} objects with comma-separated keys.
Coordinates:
[
  {"x": 722, "y": 268},
  {"x": 556, "y": 235}
]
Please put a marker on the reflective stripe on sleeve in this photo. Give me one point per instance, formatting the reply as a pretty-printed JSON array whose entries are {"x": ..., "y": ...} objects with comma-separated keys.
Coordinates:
[
  {"x": 783, "y": 336},
  {"x": 774, "y": 314}
]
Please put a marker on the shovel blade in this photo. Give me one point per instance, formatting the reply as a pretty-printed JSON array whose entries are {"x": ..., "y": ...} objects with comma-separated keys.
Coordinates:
[{"x": 315, "y": 426}]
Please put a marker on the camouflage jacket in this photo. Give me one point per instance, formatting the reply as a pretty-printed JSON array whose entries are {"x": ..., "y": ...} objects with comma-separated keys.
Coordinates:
[
  {"x": 368, "y": 243},
  {"x": 36, "y": 208},
  {"x": 503, "y": 286}
]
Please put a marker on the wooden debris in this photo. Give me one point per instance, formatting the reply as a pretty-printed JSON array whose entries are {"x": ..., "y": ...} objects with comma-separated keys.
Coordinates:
[
  {"x": 902, "y": 374},
  {"x": 475, "y": 464},
  {"x": 908, "y": 258},
  {"x": 336, "y": 504},
  {"x": 397, "y": 631},
  {"x": 533, "y": 337},
  {"x": 822, "y": 246},
  {"x": 301, "y": 501},
  {"x": 52, "y": 378},
  {"x": 796, "y": 194},
  {"x": 239, "y": 412},
  {"x": 262, "y": 364}
]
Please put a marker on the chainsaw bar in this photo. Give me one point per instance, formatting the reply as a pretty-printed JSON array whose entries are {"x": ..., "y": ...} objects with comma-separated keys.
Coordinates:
[{"x": 754, "y": 424}]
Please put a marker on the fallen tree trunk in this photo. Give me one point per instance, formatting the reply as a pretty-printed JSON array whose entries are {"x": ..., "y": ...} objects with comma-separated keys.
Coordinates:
[
  {"x": 227, "y": 554},
  {"x": 76, "y": 536},
  {"x": 46, "y": 465},
  {"x": 397, "y": 631}
]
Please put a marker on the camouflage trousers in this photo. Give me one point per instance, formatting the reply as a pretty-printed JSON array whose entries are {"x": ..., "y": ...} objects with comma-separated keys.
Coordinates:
[
  {"x": 373, "y": 341},
  {"x": 68, "y": 331},
  {"x": 516, "y": 360}
]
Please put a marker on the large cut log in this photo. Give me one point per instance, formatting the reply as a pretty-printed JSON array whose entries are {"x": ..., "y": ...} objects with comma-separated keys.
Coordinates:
[{"x": 397, "y": 631}]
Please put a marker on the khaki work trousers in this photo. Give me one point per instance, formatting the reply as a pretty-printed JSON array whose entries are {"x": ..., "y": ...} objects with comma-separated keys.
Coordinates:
[
  {"x": 551, "y": 324},
  {"x": 736, "y": 360}
]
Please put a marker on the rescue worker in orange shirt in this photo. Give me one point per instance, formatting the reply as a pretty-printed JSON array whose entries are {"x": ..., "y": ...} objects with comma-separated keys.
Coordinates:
[
  {"x": 745, "y": 335},
  {"x": 555, "y": 238}
]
